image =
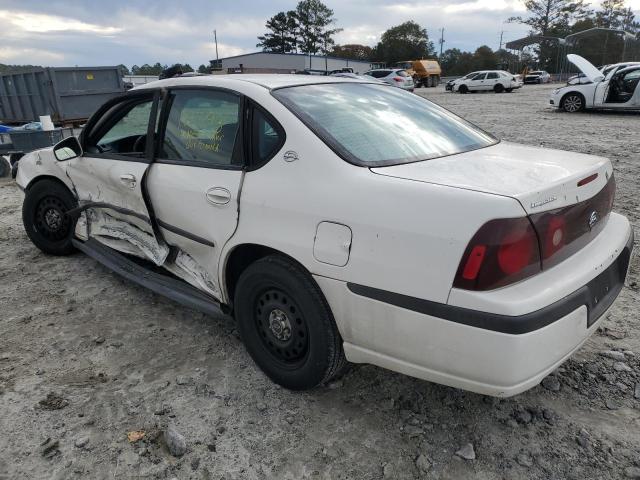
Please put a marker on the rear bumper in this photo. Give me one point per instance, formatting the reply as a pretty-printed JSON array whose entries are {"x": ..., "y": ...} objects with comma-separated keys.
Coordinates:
[{"x": 500, "y": 355}]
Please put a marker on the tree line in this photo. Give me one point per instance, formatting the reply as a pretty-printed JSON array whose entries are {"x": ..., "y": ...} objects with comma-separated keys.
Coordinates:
[
  {"x": 310, "y": 27},
  {"x": 560, "y": 18}
]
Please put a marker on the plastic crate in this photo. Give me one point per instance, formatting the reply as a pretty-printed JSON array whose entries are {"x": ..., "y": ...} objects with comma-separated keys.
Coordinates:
[{"x": 28, "y": 140}]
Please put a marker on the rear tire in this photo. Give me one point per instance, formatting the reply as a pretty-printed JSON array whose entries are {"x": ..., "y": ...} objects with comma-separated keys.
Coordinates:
[
  {"x": 498, "y": 88},
  {"x": 572, "y": 102},
  {"x": 286, "y": 324},
  {"x": 45, "y": 219},
  {"x": 463, "y": 89},
  {"x": 5, "y": 167}
]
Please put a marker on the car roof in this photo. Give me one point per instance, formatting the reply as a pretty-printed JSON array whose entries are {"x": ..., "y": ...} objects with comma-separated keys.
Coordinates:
[{"x": 267, "y": 80}]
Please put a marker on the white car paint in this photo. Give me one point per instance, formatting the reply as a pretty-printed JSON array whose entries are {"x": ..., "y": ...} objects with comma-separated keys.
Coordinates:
[
  {"x": 486, "y": 80},
  {"x": 401, "y": 229},
  {"x": 594, "y": 93}
]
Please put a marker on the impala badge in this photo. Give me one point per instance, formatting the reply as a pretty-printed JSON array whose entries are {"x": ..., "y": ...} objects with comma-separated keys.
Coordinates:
[
  {"x": 593, "y": 219},
  {"x": 290, "y": 156}
]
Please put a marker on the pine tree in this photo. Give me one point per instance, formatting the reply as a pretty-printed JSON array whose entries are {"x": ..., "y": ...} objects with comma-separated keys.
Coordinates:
[{"x": 281, "y": 37}]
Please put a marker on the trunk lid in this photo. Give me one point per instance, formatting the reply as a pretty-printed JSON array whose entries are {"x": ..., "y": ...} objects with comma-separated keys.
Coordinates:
[{"x": 540, "y": 179}]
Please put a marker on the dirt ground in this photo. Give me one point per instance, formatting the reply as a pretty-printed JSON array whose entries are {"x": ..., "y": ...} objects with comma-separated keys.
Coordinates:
[{"x": 86, "y": 358}]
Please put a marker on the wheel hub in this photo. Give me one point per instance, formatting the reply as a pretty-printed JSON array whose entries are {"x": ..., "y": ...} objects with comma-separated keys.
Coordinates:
[
  {"x": 50, "y": 219},
  {"x": 280, "y": 325},
  {"x": 53, "y": 219}
]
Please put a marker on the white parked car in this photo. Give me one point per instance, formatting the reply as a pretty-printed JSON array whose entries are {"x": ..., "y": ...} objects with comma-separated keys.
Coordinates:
[
  {"x": 488, "y": 80},
  {"x": 340, "y": 220},
  {"x": 537, "y": 76},
  {"x": 393, "y": 76},
  {"x": 615, "y": 90}
]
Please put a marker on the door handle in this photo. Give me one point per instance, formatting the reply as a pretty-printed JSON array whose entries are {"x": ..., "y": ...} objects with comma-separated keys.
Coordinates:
[
  {"x": 128, "y": 179},
  {"x": 218, "y": 196}
]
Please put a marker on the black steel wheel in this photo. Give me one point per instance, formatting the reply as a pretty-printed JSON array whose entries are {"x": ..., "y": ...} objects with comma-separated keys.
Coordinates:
[
  {"x": 45, "y": 219},
  {"x": 282, "y": 326},
  {"x": 463, "y": 89},
  {"x": 286, "y": 324}
]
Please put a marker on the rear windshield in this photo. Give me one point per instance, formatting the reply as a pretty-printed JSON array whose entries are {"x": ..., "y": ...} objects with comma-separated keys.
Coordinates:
[
  {"x": 378, "y": 73},
  {"x": 376, "y": 125}
]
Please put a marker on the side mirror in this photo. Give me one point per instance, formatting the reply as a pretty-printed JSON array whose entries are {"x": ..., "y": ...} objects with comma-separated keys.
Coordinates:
[{"x": 67, "y": 149}]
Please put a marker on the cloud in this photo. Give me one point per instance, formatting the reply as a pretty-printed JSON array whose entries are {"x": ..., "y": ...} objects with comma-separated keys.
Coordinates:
[
  {"x": 37, "y": 56},
  {"x": 42, "y": 23},
  {"x": 75, "y": 32}
]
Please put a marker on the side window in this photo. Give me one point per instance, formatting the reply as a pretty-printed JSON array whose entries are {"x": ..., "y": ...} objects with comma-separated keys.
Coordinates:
[
  {"x": 202, "y": 127},
  {"x": 128, "y": 135},
  {"x": 267, "y": 138},
  {"x": 479, "y": 76},
  {"x": 492, "y": 75}
]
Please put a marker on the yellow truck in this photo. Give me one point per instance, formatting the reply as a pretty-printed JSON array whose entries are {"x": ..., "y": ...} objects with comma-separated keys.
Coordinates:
[{"x": 425, "y": 73}]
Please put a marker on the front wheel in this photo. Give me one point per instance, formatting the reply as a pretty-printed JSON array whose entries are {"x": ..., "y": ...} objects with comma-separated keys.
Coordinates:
[
  {"x": 572, "y": 102},
  {"x": 45, "y": 219},
  {"x": 463, "y": 89},
  {"x": 286, "y": 324}
]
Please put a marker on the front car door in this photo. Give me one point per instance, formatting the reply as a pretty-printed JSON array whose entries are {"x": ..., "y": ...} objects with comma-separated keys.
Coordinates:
[
  {"x": 108, "y": 178},
  {"x": 477, "y": 82},
  {"x": 619, "y": 90}
]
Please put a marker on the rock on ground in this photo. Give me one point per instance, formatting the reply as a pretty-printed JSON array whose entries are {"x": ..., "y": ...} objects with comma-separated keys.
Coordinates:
[
  {"x": 467, "y": 452},
  {"x": 176, "y": 443}
]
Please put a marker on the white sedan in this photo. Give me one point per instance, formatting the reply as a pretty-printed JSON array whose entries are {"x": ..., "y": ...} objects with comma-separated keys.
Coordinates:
[
  {"x": 340, "y": 220},
  {"x": 613, "y": 88},
  {"x": 497, "y": 81}
]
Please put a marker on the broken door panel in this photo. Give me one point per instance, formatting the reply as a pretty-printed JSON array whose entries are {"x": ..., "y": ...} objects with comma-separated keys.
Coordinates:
[{"x": 115, "y": 212}]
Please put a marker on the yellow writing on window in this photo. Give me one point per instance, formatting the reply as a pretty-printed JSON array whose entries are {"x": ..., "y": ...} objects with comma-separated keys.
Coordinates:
[{"x": 193, "y": 142}]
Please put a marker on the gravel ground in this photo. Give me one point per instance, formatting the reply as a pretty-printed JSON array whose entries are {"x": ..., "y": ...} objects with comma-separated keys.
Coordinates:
[{"x": 88, "y": 361}]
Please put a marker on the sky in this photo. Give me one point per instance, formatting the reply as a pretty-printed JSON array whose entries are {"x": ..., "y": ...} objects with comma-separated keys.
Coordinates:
[{"x": 110, "y": 32}]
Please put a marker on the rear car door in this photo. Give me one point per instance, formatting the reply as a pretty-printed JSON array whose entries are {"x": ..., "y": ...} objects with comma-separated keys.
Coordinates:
[
  {"x": 491, "y": 80},
  {"x": 109, "y": 177},
  {"x": 194, "y": 183}
]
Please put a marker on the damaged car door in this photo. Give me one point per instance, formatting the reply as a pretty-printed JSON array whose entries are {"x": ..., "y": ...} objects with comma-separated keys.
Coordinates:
[
  {"x": 109, "y": 177},
  {"x": 619, "y": 90},
  {"x": 194, "y": 182}
]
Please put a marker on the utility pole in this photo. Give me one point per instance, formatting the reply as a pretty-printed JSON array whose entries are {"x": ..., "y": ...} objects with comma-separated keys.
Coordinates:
[
  {"x": 501, "y": 34},
  {"x": 441, "y": 41},
  {"x": 215, "y": 39}
]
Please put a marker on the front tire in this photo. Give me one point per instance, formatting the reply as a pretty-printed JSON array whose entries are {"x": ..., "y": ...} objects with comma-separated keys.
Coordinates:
[
  {"x": 572, "y": 102},
  {"x": 463, "y": 89},
  {"x": 44, "y": 217},
  {"x": 286, "y": 324}
]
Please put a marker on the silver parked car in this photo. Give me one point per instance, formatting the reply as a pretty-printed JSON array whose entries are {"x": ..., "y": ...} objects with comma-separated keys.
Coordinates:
[{"x": 393, "y": 76}]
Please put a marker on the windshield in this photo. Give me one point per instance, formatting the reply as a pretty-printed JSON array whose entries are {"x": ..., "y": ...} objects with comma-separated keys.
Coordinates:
[{"x": 376, "y": 125}]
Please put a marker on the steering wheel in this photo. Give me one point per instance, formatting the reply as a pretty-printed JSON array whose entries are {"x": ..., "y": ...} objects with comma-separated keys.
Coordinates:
[{"x": 139, "y": 144}]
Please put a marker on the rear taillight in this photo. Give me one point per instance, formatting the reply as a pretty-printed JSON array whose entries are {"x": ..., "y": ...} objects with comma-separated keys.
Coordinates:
[
  {"x": 398, "y": 79},
  {"x": 502, "y": 252},
  {"x": 564, "y": 231},
  {"x": 505, "y": 251}
]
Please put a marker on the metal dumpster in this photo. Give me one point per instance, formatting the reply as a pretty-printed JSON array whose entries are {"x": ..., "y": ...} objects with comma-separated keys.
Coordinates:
[{"x": 68, "y": 94}]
